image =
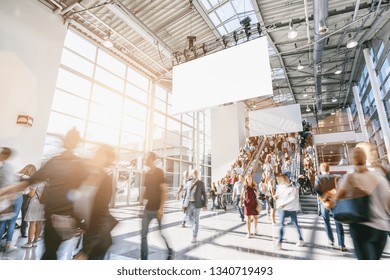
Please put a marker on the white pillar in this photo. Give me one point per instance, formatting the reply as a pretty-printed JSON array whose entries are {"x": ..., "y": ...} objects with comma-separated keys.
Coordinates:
[
  {"x": 360, "y": 113},
  {"x": 150, "y": 123},
  {"x": 378, "y": 101},
  {"x": 227, "y": 134}
]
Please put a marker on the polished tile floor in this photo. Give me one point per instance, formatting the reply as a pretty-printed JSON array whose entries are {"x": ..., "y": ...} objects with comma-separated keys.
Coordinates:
[{"x": 222, "y": 236}]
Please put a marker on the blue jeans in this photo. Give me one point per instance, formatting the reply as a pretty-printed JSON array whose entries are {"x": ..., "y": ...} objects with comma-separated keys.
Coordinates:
[
  {"x": 369, "y": 242},
  {"x": 339, "y": 227},
  {"x": 11, "y": 223},
  {"x": 284, "y": 214},
  {"x": 193, "y": 215},
  {"x": 240, "y": 209},
  {"x": 147, "y": 217}
]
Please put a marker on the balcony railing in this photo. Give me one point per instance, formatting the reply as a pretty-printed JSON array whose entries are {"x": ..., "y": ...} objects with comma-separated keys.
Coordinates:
[{"x": 341, "y": 127}]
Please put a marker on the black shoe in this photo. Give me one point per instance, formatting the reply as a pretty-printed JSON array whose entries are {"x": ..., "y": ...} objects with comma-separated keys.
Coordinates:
[
  {"x": 170, "y": 254},
  {"x": 17, "y": 226},
  {"x": 23, "y": 236}
]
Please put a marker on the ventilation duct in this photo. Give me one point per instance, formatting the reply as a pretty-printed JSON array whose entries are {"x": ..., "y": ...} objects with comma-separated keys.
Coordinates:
[{"x": 320, "y": 12}]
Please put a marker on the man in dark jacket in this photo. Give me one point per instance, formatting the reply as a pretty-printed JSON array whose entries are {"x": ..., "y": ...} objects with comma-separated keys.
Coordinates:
[{"x": 197, "y": 198}]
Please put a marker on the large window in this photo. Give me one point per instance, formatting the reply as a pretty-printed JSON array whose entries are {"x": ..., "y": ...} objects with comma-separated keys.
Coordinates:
[
  {"x": 381, "y": 59},
  {"x": 110, "y": 102}
]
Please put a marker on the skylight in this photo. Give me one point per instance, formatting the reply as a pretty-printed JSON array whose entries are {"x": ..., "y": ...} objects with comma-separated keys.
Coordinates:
[{"x": 226, "y": 15}]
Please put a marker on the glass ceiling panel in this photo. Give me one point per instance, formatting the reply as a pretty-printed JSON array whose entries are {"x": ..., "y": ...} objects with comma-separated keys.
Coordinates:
[
  {"x": 229, "y": 14},
  {"x": 206, "y": 4},
  {"x": 242, "y": 6},
  {"x": 214, "y": 19},
  {"x": 222, "y": 30},
  {"x": 214, "y": 3},
  {"x": 225, "y": 12},
  {"x": 232, "y": 25}
]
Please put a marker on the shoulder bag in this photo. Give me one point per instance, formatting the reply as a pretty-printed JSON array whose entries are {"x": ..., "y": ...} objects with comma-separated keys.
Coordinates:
[{"x": 355, "y": 208}]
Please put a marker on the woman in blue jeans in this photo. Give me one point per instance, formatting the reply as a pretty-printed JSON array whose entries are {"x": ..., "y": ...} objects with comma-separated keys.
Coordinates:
[
  {"x": 287, "y": 202},
  {"x": 369, "y": 238},
  {"x": 10, "y": 224}
]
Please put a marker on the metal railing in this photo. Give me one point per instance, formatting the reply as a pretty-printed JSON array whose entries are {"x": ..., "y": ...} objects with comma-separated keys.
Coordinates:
[
  {"x": 341, "y": 127},
  {"x": 255, "y": 159}
]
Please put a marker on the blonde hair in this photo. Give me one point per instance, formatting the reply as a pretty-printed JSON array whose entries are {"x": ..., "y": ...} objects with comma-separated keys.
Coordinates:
[{"x": 324, "y": 166}]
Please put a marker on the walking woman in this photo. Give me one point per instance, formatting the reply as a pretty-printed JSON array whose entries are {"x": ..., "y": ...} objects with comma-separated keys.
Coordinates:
[
  {"x": 248, "y": 196},
  {"x": 369, "y": 238}
]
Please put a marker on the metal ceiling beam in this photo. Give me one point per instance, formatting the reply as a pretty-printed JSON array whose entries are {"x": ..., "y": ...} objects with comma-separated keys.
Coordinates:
[
  {"x": 81, "y": 28},
  {"x": 260, "y": 17},
  {"x": 120, "y": 10},
  {"x": 206, "y": 18},
  {"x": 163, "y": 68}
]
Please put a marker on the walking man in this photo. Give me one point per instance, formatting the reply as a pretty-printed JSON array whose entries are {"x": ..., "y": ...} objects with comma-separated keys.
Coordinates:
[
  {"x": 325, "y": 187},
  {"x": 155, "y": 194}
]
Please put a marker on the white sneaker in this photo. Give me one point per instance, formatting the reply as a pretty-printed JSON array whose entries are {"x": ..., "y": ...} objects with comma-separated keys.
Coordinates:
[
  {"x": 35, "y": 243},
  {"x": 27, "y": 245},
  {"x": 248, "y": 236},
  {"x": 278, "y": 246},
  {"x": 193, "y": 240},
  {"x": 300, "y": 243}
]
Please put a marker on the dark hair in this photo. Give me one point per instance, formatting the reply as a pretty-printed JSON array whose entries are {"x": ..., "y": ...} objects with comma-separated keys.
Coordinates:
[{"x": 71, "y": 139}]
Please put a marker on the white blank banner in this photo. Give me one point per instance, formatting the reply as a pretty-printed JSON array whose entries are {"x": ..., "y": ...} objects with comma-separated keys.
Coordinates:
[
  {"x": 234, "y": 74},
  {"x": 283, "y": 119}
]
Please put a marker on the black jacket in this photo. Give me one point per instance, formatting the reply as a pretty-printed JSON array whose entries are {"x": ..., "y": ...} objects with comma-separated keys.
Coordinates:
[{"x": 200, "y": 195}]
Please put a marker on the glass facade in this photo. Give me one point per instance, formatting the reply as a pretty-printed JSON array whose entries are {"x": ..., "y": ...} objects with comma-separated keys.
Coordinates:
[
  {"x": 381, "y": 59},
  {"x": 111, "y": 102}
]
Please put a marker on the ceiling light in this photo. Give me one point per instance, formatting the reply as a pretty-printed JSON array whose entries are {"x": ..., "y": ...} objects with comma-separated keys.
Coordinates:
[
  {"x": 305, "y": 95},
  {"x": 322, "y": 29},
  {"x": 333, "y": 112},
  {"x": 334, "y": 99},
  {"x": 338, "y": 71},
  {"x": 292, "y": 34},
  {"x": 308, "y": 109},
  {"x": 300, "y": 66},
  {"x": 108, "y": 41},
  {"x": 352, "y": 43}
]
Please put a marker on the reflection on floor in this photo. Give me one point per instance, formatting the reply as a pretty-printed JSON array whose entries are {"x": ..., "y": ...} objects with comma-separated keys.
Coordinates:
[{"x": 222, "y": 236}]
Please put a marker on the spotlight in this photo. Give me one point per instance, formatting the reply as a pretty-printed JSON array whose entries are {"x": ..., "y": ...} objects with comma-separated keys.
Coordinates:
[
  {"x": 259, "y": 28},
  {"x": 333, "y": 112},
  {"x": 107, "y": 41},
  {"x": 352, "y": 43},
  {"x": 338, "y": 71},
  {"x": 300, "y": 66},
  {"x": 235, "y": 36},
  {"x": 246, "y": 24},
  {"x": 308, "y": 109},
  {"x": 292, "y": 34},
  {"x": 225, "y": 41},
  {"x": 334, "y": 99}
]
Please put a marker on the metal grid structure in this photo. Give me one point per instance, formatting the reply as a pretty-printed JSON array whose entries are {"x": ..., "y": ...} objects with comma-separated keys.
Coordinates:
[{"x": 147, "y": 34}]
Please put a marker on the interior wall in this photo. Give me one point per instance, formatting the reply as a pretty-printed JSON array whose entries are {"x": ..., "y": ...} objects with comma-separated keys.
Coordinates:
[
  {"x": 227, "y": 135},
  {"x": 32, "y": 39}
]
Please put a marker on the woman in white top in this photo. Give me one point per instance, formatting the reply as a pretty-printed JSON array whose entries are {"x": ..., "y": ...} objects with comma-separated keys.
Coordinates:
[
  {"x": 287, "y": 202},
  {"x": 369, "y": 238},
  {"x": 35, "y": 215}
]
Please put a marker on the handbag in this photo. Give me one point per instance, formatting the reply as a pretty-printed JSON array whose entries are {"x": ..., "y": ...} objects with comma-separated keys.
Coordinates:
[
  {"x": 327, "y": 199},
  {"x": 259, "y": 205},
  {"x": 355, "y": 208}
]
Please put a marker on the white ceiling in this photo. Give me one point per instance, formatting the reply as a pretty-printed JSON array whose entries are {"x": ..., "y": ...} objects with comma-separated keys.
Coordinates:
[{"x": 152, "y": 36}]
